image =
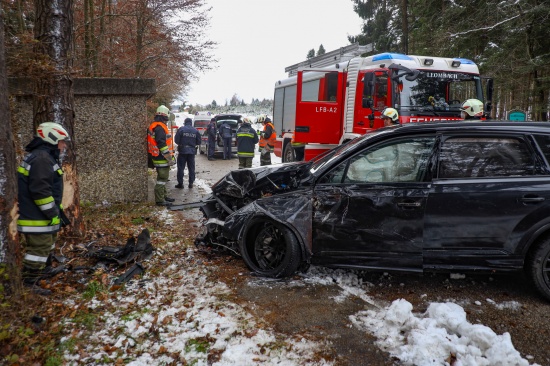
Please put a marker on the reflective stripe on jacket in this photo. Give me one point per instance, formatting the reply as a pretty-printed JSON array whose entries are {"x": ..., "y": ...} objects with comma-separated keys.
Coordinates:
[
  {"x": 40, "y": 190},
  {"x": 247, "y": 138},
  {"x": 268, "y": 136}
]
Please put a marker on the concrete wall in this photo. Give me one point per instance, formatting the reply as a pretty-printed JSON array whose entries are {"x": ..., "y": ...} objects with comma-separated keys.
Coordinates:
[{"x": 110, "y": 135}]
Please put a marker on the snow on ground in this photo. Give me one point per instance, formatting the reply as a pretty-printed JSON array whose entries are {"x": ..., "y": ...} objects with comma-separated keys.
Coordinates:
[
  {"x": 181, "y": 317},
  {"x": 441, "y": 333},
  {"x": 435, "y": 337}
]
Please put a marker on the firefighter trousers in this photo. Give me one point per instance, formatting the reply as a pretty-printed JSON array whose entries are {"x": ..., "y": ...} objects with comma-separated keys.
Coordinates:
[
  {"x": 160, "y": 187},
  {"x": 37, "y": 249}
]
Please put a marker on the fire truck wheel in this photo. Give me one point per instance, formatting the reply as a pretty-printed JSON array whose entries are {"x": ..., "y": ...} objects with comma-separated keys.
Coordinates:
[
  {"x": 538, "y": 267},
  {"x": 288, "y": 153},
  {"x": 270, "y": 249}
]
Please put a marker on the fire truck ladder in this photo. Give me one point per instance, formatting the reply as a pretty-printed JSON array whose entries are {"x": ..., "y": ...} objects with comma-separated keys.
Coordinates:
[
  {"x": 330, "y": 58},
  {"x": 353, "y": 71}
]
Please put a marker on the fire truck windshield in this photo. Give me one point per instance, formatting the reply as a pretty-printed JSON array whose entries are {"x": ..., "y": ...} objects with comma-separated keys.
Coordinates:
[{"x": 437, "y": 91}]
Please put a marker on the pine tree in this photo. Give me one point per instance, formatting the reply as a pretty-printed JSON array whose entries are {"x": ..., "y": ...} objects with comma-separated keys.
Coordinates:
[
  {"x": 321, "y": 50},
  {"x": 310, "y": 54}
]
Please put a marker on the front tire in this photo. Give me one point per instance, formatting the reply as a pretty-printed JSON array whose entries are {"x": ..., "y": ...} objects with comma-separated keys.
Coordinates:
[
  {"x": 271, "y": 249},
  {"x": 538, "y": 267},
  {"x": 288, "y": 153}
]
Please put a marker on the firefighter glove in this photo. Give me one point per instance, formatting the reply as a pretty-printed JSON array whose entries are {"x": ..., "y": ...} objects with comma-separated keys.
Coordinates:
[
  {"x": 64, "y": 219},
  {"x": 55, "y": 221}
]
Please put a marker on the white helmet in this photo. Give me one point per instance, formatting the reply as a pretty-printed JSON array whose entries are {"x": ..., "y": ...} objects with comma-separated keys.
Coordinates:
[
  {"x": 392, "y": 114},
  {"x": 261, "y": 118},
  {"x": 472, "y": 107},
  {"x": 163, "y": 111},
  {"x": 52, "y": 132}
]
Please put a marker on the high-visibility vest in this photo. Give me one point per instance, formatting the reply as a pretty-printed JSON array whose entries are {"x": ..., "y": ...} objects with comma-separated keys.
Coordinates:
[
  {"x": 269, "y": 140},
  {"x": 152, "y": 147}
]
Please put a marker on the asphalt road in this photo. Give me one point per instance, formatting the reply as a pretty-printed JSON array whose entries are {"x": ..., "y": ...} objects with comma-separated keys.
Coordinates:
[{"x": 311, "y": 310}]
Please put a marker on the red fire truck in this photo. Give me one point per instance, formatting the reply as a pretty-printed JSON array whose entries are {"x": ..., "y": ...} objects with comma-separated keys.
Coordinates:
[{"x": 327, "y": 106}]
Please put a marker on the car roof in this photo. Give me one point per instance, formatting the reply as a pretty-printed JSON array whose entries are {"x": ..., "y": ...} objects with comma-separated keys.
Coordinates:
[{"x": 477, "y": 125}]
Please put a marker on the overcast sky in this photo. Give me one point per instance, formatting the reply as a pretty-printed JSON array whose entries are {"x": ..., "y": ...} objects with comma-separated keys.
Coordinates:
[{"x": 257, "y": 39}]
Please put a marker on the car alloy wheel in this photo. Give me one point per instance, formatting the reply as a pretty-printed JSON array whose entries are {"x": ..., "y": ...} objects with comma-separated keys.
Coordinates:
[{"x": 271, "y": 249}]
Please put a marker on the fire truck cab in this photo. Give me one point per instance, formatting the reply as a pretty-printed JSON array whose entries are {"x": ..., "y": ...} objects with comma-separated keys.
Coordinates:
[{"x": 328, "y": 106}]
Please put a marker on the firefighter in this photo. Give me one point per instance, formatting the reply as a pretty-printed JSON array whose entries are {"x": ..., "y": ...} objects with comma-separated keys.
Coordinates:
[
  {"x": 158, "y": 141},
  {"x": 226, "y": 134},
  {"x": 188, "y": 139},
  {"x": 390, "y": 117},
  {"x": 471, "y": 109},
  {"x": 247, "y": 138},
  {"x": 40, "y": 184},
  {"x": 211, "y": 132},
  {"x": 267, "y": 140}
]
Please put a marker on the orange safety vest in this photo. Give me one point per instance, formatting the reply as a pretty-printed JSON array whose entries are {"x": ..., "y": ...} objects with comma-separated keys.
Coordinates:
[
  {"x": 152, "y": 147},
  {"x": 270, "y": 141}
]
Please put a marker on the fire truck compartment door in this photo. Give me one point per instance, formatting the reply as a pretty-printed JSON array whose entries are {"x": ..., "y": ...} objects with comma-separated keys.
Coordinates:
[{"x": 320, "y": 103}]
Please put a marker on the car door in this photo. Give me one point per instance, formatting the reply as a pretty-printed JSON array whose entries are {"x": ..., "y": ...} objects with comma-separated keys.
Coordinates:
[
  {"x": 487, "y": 190},
  {"x": 368, "y": 211}
]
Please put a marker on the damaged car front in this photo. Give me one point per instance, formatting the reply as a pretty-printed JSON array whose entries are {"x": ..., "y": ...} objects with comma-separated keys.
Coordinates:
[{"x": 264, "y": 214}]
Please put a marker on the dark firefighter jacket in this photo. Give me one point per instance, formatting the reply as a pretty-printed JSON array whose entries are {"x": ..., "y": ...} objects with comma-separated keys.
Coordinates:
[
  {"x": 40, "y": 184},
  {"x": 247, "y": 138}
]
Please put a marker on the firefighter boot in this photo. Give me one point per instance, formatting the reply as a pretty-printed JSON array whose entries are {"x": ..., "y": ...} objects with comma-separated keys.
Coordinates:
[{"x": 31, "y": 277}]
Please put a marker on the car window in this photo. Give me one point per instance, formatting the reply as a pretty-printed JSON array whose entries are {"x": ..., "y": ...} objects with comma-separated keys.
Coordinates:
[
  {"x": 201, "y": 123},
  {"x": 479, "y": 157},
  {"x": 398, "y": 161},
  {"x": 231, "y": 123},
  {"x": 544, "y": 144}
]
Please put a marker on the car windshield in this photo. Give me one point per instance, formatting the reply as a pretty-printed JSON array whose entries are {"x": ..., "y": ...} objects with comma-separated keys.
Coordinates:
[
  {"x": 322, "y": 160},
  {"x": 439, "y": 90}
]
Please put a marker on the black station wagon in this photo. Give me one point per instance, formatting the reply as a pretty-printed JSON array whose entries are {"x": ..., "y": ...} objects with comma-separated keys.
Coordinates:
[{"x": 456, "y": 197}]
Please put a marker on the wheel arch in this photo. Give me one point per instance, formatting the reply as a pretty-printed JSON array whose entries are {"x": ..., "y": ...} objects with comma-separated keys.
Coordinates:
[
  {"x": 533, "y": 239},
  {"x": 255, "y": 221}
]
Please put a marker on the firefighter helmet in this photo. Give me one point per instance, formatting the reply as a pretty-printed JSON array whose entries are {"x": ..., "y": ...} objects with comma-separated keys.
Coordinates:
[
  {"x": 392, "y": 114},
  {"x": 267, "y": 119},
  {"x": 163, "y": 111},
  {"x": 52, "y": 132},
  {"x": 246, "y": 120},
  {"x": 261, "y": 118},
  {"x": 472, "y": 108}
]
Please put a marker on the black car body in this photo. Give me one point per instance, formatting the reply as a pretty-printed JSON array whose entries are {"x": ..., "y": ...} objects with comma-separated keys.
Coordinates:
[
  {"x": 233, "y": 120},
  {"x": 454, "y": 197}
]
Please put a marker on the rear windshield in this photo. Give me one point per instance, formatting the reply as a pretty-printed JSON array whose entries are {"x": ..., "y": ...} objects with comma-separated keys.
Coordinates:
[
  {"x": 201, "y": 123},
  {"x": 231, "y": 122}
]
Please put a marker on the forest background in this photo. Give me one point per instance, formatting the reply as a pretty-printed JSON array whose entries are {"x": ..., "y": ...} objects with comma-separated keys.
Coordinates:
[{"x": 165, "y": 40}]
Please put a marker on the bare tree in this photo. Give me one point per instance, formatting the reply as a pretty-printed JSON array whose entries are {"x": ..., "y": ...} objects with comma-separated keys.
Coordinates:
[
  {"x": 8, "y": 187},
  {"x": 54, "y": 97}
]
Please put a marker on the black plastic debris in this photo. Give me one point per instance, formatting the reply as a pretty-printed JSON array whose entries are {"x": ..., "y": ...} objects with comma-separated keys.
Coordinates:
[
  {"x": 135, "y": 270},
  {"x": 133, "y": 251}
]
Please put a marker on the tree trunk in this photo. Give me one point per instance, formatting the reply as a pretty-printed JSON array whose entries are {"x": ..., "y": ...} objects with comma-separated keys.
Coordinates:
[
  {"x": 54, "y": 97},
  {"x": 9, "y": 248},
  {"x": 405, "y": 26}
]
